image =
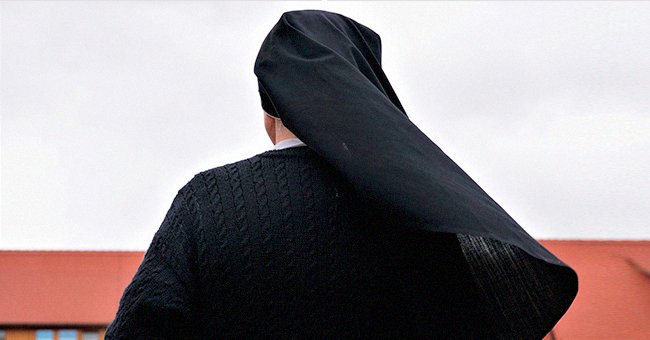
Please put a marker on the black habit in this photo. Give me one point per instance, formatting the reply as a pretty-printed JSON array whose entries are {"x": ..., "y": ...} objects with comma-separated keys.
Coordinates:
[{"x": 370, "y": 231}]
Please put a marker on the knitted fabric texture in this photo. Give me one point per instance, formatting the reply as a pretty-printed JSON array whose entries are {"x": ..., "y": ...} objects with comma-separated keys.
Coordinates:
[{"x": 279, "y": 246}]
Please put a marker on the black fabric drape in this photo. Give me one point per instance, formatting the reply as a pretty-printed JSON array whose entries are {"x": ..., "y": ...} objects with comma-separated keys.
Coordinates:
[{"x": 320, "y": 72}]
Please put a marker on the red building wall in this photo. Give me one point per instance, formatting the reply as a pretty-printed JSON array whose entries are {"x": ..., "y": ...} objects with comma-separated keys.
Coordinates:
[
  {"x": 613, "y": 300},
  {"x": 83, "y": 288},
  {"x": 49, "y": 287}
]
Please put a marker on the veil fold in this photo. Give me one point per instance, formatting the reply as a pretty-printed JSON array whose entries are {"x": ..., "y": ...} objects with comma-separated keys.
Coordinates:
[{"x": 320, "y": 72}]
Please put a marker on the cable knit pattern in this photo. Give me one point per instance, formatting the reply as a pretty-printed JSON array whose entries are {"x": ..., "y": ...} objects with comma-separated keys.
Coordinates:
[{"x": 280, "y": 246}]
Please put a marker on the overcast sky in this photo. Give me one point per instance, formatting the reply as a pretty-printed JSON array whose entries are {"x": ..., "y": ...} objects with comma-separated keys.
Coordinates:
[{"x": 108, "y": 108}]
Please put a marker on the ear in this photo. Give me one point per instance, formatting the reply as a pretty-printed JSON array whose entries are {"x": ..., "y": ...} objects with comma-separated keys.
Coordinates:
[{"x": 269, "y": 125}]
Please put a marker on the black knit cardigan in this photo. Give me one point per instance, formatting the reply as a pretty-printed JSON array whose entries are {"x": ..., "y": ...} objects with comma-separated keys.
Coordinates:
[{"x": 280, "y": 246}]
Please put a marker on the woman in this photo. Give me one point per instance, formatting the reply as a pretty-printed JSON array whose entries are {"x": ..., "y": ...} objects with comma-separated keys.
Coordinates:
[{"x": 363, "y": 229}]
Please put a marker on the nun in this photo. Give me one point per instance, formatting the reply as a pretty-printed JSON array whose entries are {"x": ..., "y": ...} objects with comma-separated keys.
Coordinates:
[{"x": 354, "y": 225}]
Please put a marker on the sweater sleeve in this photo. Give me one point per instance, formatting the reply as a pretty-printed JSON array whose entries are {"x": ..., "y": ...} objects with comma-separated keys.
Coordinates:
[{"x": 157, "y": 303}]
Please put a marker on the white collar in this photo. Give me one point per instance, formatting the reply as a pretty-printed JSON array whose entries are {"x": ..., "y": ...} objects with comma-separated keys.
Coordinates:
[{"x": 288, "y": 143}]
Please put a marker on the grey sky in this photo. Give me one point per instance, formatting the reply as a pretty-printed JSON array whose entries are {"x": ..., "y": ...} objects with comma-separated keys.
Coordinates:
[{"x": 108, "y": 108}]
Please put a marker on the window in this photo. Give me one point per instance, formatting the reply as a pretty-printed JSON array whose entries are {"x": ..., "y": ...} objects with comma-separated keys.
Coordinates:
[
  {"x": 44, "y": 334},
  {"x": 2, "y": 335},
  {"x": 67, "y": 334},
  {"x": 48, "y": 334},
  {"x": 93, "y": 335}
]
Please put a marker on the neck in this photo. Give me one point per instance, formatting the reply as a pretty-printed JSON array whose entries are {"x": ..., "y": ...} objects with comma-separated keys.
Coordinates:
[{"x": 283, "y": 134}]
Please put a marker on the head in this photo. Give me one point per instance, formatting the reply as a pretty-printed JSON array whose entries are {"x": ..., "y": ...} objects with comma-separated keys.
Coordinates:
[
  {"x": 275, "y": 129},
  {"x": 289, "y": 83}
]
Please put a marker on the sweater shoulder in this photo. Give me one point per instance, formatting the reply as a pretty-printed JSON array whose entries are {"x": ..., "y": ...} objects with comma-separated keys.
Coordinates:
[
  {"x": 225, "y": 171},
  {"x": 277, "y": 156},
  {"x": 271, "y": 172}
]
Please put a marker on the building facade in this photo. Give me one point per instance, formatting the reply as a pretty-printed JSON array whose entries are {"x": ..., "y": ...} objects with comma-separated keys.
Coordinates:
[
  {"x": 62, "y": 295},
  {"x": 73, "y": 295}
]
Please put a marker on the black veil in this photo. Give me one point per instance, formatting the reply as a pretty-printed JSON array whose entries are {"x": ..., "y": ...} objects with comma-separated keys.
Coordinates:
[{"x": 320, "y": 72}]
